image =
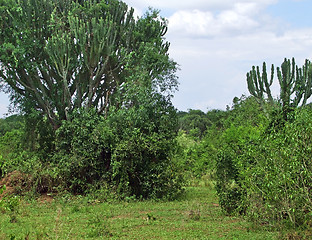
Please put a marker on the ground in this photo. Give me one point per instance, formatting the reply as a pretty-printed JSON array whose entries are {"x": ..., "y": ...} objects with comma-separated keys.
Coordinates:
[{"x": 195, "y": 215}]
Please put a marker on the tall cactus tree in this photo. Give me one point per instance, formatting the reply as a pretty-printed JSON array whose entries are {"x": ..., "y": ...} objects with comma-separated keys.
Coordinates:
[
  {"x": 259, "y": 85},
  {"x": 286, "y": 75},
  {"x": 63, "y": 55},
  {"x": 303, "y": 86},
  {"x": 295, "y": 84}
]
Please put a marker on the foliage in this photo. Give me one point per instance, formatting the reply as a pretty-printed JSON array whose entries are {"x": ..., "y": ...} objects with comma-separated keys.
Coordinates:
[
  {"x": 83, "y": 148},
  {"x": 195, "y": 122},
  {"x": 244, "y": 127},
  {"x": 58, "y": 56},
  {"x": 263, "y": 169},
  {"x": 198, "y": 143},
  {"x": 2, "y": 189},
  {"x": 197, "y": 157},
  {"x": 145, "y": 144},
  {"x": 94, "y": 86},
  {"x": 279, "y": 181},
  {"x": 130, "y": 149},
  {"x": 13, "y": 155},
  {"x": 11, "y": 122}
]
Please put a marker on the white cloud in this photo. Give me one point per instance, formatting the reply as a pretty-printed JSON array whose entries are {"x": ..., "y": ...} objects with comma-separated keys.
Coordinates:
[
  {"x": 238, "y": 18},
  {"x": 196, "y": 23}
]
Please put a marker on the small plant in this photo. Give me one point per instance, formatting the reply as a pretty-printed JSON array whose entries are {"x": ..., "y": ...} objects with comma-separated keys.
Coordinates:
[
  {"x": 99, "y": 227},
  {"x": 10, "y": 205},
  {"x": 2, "y": 189},
  {"x": 150, "y": 217},
  {"x": 194, "y": 214}
]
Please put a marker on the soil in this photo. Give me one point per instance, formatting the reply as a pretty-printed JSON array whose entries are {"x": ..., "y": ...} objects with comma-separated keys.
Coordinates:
[
  {"x": 19, "y": 183},
  {"x": 15, "y": 183}
]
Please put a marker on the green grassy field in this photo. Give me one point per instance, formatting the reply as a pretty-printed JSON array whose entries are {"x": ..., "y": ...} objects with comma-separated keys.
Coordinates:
[{"x": 195, "y": 216}]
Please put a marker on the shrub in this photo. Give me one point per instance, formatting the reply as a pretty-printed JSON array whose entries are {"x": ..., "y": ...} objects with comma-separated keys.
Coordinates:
[
  {"x": 244, "y": 128},
  {"x": 231, "y": 166},
  {"x": 83, "y": 150},
  {"x": 131, "y": 149},
  {"x": 279, "y": 183},
  {"x": 142, "y": 159}
]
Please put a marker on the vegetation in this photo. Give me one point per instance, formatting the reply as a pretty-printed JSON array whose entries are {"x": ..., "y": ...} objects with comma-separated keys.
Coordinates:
[
  {"x": 194, "y": 216},
  {"x": 94, "y": 86},
  {"x": 98, "y": 137},
  {"x": 78, "y": 54}
]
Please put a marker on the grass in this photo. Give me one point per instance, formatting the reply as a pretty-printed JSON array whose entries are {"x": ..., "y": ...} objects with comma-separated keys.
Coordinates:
[{"x": 195, "y": 216}]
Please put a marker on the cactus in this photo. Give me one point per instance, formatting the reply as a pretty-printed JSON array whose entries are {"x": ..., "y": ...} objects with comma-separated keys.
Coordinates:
[
  {"x": 286, "y": 75},
  {"x": 295, "y": 84},
  {"x": 258, "y": 85},
  {"x": 303, "y": 86}
]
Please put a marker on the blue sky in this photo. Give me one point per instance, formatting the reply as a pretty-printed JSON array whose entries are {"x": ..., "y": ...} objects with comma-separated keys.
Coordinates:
[
  {"x": 217, "y": 42},
  {"x": 295, "y": 13}
]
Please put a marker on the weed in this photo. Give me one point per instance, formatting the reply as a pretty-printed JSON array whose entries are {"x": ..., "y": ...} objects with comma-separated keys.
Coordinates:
[
  {"x": 194, "y": 214},
  {"x": 150, "y": 217},
  {"x": 99, "y": 227}
]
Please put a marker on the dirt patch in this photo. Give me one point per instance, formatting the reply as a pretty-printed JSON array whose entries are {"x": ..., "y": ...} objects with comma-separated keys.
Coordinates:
[
  {"x": 19, "y": 183},
  {"x": 45, "y": 198},
  {"x": 16, "y": 183}
]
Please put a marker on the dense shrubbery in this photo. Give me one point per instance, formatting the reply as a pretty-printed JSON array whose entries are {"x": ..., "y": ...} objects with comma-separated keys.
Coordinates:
[
  {"x": 96, "y": 101},
  {"x": 199, "y": 140},
  {"x": 264, "y": 168},
  {"x": 242, "y": 130},
  {"x": 278, "y": 183},
  {"x": 131, "y": 149},
  {"x": 261, "y": 163}
]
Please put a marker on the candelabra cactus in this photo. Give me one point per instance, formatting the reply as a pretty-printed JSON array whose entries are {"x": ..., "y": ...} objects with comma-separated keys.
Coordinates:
[
  {"x": 259, "y": 85},
  {"x": 295, "y": 84},
  {"x": 303, "y": 86},
  {"x": 286, "y": 75}
]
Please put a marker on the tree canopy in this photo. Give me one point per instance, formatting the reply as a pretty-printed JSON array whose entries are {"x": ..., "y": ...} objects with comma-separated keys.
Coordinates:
[{"x": 57, "y": 56}]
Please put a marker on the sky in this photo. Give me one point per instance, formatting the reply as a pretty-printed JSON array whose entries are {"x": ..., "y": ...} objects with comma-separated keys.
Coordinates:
[{"x": 216, "y": 42}]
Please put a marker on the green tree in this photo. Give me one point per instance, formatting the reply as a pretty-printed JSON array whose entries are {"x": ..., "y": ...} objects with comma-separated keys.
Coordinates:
[
  {"x": 193, "y": 122},
  {"x": 58, "y": 56},
  {"x": 10, "y": 123}
]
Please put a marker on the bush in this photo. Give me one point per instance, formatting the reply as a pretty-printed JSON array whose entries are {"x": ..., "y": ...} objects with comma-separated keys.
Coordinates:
[
  {"x": 231, "y": 166},
  {"x": 264, "y": 169},
  {"x": 14, "y": 156},
  {"x": 197, "y": 158},
  {"x": 279, "y": 183},
  {"x": 131, "y": 149},
  {"x": 83, "y": 150},
  {"x": 244, "y": 128},
  {"x": 142, "y": 159}
]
